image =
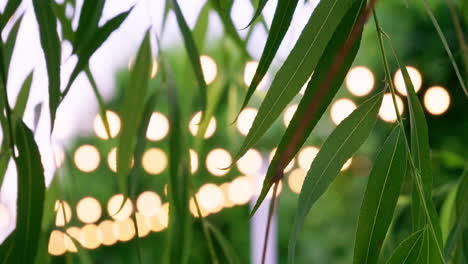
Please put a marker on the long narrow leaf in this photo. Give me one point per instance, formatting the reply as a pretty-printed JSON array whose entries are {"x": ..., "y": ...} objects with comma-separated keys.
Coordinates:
[
  {"x": 228, "y": 250},
  {"x": 23, "y": 95},
  {"x": 6, "y": 249},
  {"x": 408, "y": 251},
  {"x": 89, "y": 18},
  {"x": 10, "y": 44},
  {"x": 9, "y": 10},
  {"x": 258, "y": 11}
]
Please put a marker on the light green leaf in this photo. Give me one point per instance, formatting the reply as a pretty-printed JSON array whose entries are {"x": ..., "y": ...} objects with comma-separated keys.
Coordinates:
[
  {"x": 408, "y": 251},
  {"x": 228, "y": 250},
  {"x": 201, "y": 27},
  {"x": 337, "y": 149},
  {"x": 132, "y": 110},
  {"x": 380, "y": 198},
  {"x": 50, "y": 43},
  {"x": 23, "y": 95},
  {"x": 9, "y": 10}
]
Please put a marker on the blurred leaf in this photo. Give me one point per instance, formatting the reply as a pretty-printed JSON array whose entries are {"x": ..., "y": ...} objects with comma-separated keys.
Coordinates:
[
  {"x": 10, "y": 8},
  {"x": 380, "y": 198},
  {"x": 23, "y": 95},
  {"x": 201, "y": 27},
  {"x": 408, "y": 251},
  {"x": 65, "y": 23},
  {"x": 31, "y": 194},
  {"x": 337, "y": 149},
  {"x": 228, "y": 250},
  {"x": 314, "y": 98},
  {"x": 451, "y": 160},
  {"x": 10, "y": 44},
  {"x": 50, "y": 43},
  {"x": 280, "y": 25},
  {"x": 91, "y": 12},
  {"x": 297, "y": 68},
  {"x": 132, "y": 110}
]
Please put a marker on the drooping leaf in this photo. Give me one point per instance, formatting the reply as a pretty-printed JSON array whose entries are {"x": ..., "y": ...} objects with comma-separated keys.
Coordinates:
[
  {"x": 279, "y": 26},
  {"x": 23, "y": 95},
  {"x": 10, "y": 44},
  {"x": 297, "y": 68},
  {"x": 132, "y": 110},
  {"x": 380, "y": 198},
  {"x": 314, "y": 98},
  {"x": 31, "y": 195},
  {"x": 50, "y": 43},
  {"x": 91, "y": 12},
  {"x": 337, "y": 149},
  {"x": 9, "y": 10},
  {"x": 228, "y": 250},
  {"x": 408, "y": 251}
]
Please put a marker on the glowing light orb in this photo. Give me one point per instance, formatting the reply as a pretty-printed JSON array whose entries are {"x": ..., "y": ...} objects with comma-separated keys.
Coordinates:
[
  {"x": 415, "y": 77},
  {"x": 87, "y": 158},
  {"x": 341, "y": 109},
  {"x": 158, "y": 127},
  {"x": 63, "y": 213},
  {"x": 211, "y": 197},
  {"x": 148, "y": 203},
  {"x": 114, "y": 125},
  {"x": 387, "y": 109},
  {"x": 360, "y": 81},
  {"x": 217, "y": 160},
  {"x": 114, "y": 205},
  {"x": 436, "y": 100},
  {"x": 306, "y": 156},
  {"x": 209, "y": 67},
  {"x": 250, "y": 163},
  {"x": 296, "y": 179},
  {"x": 195, "y": 123},
  {"x": 240, "y": 190},
  {"x": 245, "y": 120},
  {"x": 154, "y": 161},
  {"x": 88, "y": 210}
]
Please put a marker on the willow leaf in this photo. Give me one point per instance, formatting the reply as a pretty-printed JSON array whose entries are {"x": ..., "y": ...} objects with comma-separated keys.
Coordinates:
[
  {"x": 380, "y": 198},
  {"x": 6, "y": 249},
  {"x": 192, "y": 51},
  {"x": 201, "y": 27},
  {"x": 132, "y": 110},
  {"x": 65, "y": 23},
  {"x": 9, "y": 10},
  {"x": 258, "y": 11},
  {"x": 10, "y": 44},
  {"x": 23, "y": 95},
  {"x": 31, "y": 195},
  {"x": 228, "y": 250},
  {"x": 279, "y": 26},
  {"x": 101, "y": 103},
  {"x": 297, "y": 68},
  {"x": 89, "y": 18},
  {"x": 408, "y": 251},
  {"x": 50, "y": 43},
  {"x": 337, "y": 149}
]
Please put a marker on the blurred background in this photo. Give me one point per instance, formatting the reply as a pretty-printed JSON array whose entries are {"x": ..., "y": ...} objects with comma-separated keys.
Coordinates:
[{"x": 79, "y": 158}]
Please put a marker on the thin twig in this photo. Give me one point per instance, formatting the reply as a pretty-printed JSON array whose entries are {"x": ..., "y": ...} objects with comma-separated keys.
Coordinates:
[{"x": 271, "y": 211}]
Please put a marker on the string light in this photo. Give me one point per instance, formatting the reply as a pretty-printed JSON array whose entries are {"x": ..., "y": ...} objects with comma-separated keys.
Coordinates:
[
  {"x": 415, "y": 77},
  {"x": 154, "y": 161},
  {"x": 114, "y": 205},
  {"x": 195, "y": 123},
  {"x": 87, "y": 158},
  {"x": 56, "y": 245},
  {"x": 160, "y": 221},
  {"x": 240, "y": 191},
  {"x": 245, "y": 120},
  {"x": 105, "y": 233},
  {"x": 88, "y": 210},
  {"x": 148, "y": 203},
  {"x": 193, "y": 161},
  {"x": 227, "y": 201},
  {"x": 114, "y": 125},
  {"x": 63, "y": 213},
  {"x": 360, "y": 81},
  {"x": 436, "y": 100},
  {"x": 387, "y": 109},
  {"x": 143, "y": 225},
  {"x": 124, "y": 230},
  {"x": 158, "y": 127},
  {"x": 88, "y": 237},
  {"x": 209, "y": 67},
  {"x": 341, "y": 109},
  {"x": 211, "y": 197},
  {"x": 250, "y": 163},
  {"x": 249, "y": 73},
  {"x": 217, "y": 160}
]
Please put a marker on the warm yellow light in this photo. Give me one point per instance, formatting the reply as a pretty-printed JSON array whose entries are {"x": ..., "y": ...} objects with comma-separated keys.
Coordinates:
[
  {"x": 87, "y": 158},
  {"x": 209, "y": 67},
  {"x": 360, "y": 81},
  {"x": 114, "y": 125},
  {"x": 193, "y": 161},
  {"x": 124, "y": 230},
  {"x": 387, "y": 109},
  {"x": 304, "y": 87},
  {"x": 57, "y": 243},
  {"x": 288, "y": 114},
  {"x": 69, "y": 244},
  {"x": 436, "y": 100},
  {"x": 347, "y": 164},
  {"x": 270, "y": 192},
  {"x": 89, "y": 237},
  {"x": 105, "y": 233},
  {"x": 154, "y": 161},
  {"x": 148, "y": 203},
  {"x": 158, "y": 127},
  {"x": 249, "y": 73},
  {"x": 160, "y": 221},
  {"x": 154, "y": 68},
  {"x": 341, "y": 109},
  {"x": 250, "y": 163},
  {"x": 59, "y": 155},
  {"x": 143, "y": 225},
  {"x": 75, "y": 233},
  {"x": 5, "y": 216},
  {"x": 88, "y": 210},
  {"x": 63, "y": 213},
  {"x": 240, "y": 190},
  {"x": 194, "y": 211},
  {"x": 195, "y": 123},
  {"x": 306, "y": 156},
  {"x": 217, "y": 160},
  {"x": 290, "y": 165},
  {"x": 210, "y": 197},
  {"x": 225, "y": 188},
  {"x": 415, "y": 76},
  {"x": 114, "y": 205},
  {"x": 245, "y": 120},
  {"x": 112, "y": 160},
  {"x": 296, "y": 179}
]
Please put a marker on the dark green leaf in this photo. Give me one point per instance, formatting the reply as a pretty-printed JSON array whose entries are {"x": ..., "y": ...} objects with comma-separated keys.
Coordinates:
[
  {"x": 50, "y": 43},
  {"x": 65, "y": 23},
  {"x": 9, "y": 10},
  {"x": 89, "y": 18},
  {"x": 23, "y": 95},
  {"x": 10, "y": 44},
  {"x": 228, "y": 250},
  {"x": 380, "y": 198},
  {"x": 408, "y": 251},
  {"x": 261, "y": 5},
  {"x": 6, "y": 250},
  {"x": 337, "y": 149}
]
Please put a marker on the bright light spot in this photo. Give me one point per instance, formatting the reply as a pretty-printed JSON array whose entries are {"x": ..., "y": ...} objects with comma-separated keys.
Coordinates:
[
  {"x": 154, "y": 161},
  {"x": 158, "y": 127},
  {"x": 249, "y": 73},
  {"x": 347, "y": 164},
  {"x": 240, "y": 190},
  {"x": 360, "y": 81},
  {"x": 89, "y": 237},
  {"x": 105, "y": 233},
  {"x": 69, "y": 244},
  {"x": 88, "y": 210},
  {"x": 75, "y": 233},
  {"x": 436, "y": 100},
  {"x": 63, "y": 213},
  {"x": 114, "y": 205},
  {"x": 194, "y": 211},
  {"x": 341, "y": 109},
  {"x": 387, "y": 109},
  {"x": 193, "y": 161},
  {"x": 112, "y": 159},
  {"x": 59, "y": 155},
  {"x": 87, "y": 158},
  {"x": 250, "y": 163},
  {"x": 415, "y": 77},
  {"x": 296, "y": 179},
  {"x": 143, "y": 225},
  {"x": 225, "y": 188},
  {"x": 5, "y": 216},
  {"x": 304, "y": 87},
  {"x": 209, "y": 67},
  {"x": 195, "y": 123},
  {"x": 154, "y": 68},
  {"x": 211, "y": 198},
  {"x": 278, "y": 192},
  {"x": 217, "y": 160},
  {"x": 290, "y": 165},
  {"x": 306, "y": 156},
  {"x": 114, "y": 125},
  {"x": 57, "y": 243},
  {"x": 288, "y": 114},
  {"x": 245, "y": 120},
  {"x": 148, "y": 203},
  {"x": 160, "y": 221},
  {"x": 124, "y": 230}
]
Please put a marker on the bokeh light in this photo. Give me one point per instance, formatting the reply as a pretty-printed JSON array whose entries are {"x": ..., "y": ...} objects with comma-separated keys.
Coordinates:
[
  {"x": 195, "y": 123},
  {"x": 87, "y": 158},
  {"x": 288, "y": 114},
  {"x": 154, "y": 68},
  {"x": 240, "y": 190},
  {"x": 148, "y": 203},
  {"x": 436, "y": 100},
  {"x": 306, "y": 156},
  {"x": 160, "y": 221},
  {"x": 193, "y": 161},
  {"x": 341, "y": 109},
  {"x": 209, "y": 67},
  {"x": 112, "y": 160},
  {"x": 360, "y": 81},
  {"x": 114, "y": 125},
  {"x": 249, "y": 73},
  {"x": 105, "y": 233},
  {"x": 387, "y": 109},
  {"x": 347, "y": 164},
  {"x": 399, "y": 81},
  {"x": 158, "y": 127},
  {"x": 124, "y": 230},
  {"x": 250, "y": 163},
  {"x": 154, "y": 161},
  {"x": 245, "y": 120},
  {"x": 89, "y": 236},
  {"x": 143, "y": 225},
  {"x": 296, "y": 179},
  {"x": 227, "y": 201},
  {"x": 114, "y": 205},
  {"x": 88, "y": 210},
  {"x": 210, "y": 197},
  {"x": 56, "y": 245},
  {"x": 217, "y": 161},
  {"x": 63, "y": 213},
  {"x": 290, "y": 165}
]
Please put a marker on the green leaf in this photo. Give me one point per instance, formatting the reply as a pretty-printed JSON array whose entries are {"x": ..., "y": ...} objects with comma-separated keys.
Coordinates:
[
  {"x": 23, "y": 95},
  {"x": 65, "y": 23},
  {"x": 201, "y": 27},
  {"x": 279, "y": 26},
  {"x": 297, "y": 68},
  {"x": 313, "y": 97},
  {"x": 408, "y": 251},
  {"x": 89, "y": 18},
  {"x": 101, "y": 103},
  {"x": 337, "y": 149},
  {"x": 260, "y": 6},
  {"x": 380, "y": 198},
  {"x": 228, "y": 250},
  {"x": 10, "y": 44},
  {"x": 192, "y": 52},
  {"x": 9, "y": 10},
  {"x": 31, "y": 195},
  {"x": 6, "y": 249},
  {"x": 132, "y": 110},
  {"x": 50, "y": 43}
]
